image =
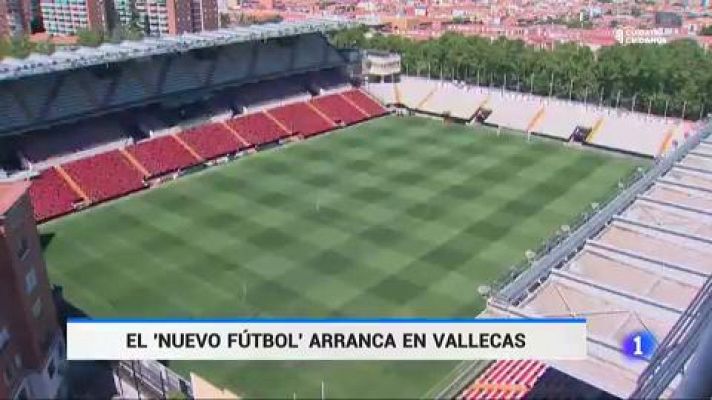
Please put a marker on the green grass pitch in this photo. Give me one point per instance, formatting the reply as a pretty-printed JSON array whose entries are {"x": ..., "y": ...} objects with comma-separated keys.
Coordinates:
[{"x": 394, "y": 217}]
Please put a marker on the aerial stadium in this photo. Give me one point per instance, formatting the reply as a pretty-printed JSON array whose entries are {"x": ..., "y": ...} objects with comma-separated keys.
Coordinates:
[{"x": 262, "y": 172}]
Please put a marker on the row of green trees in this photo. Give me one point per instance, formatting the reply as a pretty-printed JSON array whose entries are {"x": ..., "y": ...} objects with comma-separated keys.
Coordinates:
[
  {"x": 21, "y": 47},
  {"x": 244, "y": 19},
  {"x": 672, "y": 79},
  {"x": 86, "y": 37},
  {"x": 117, "y": 33},
  {"x": 92, "y": 38}
]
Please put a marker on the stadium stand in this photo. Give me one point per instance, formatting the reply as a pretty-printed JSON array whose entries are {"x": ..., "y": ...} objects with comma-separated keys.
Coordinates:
[
  {"x": 556, "y": 385},
  {"x": 513, "y": 111},
  {"x": 89, "y": 170},
  {"x": 150, "y": 125},
  {"x": 258, "y": 129},
  {"x": 338, "y": 109},
  {"x": 212, "y": 141},
  {"x": 162, "y": 156},
  {"x": 354, "y": 105},
  {"x": 117, "y": 123},
  {"x": 636, "y": 134},
  {"x": 411, "y": 92},
  {"x": 449, "y": 100},
  {"x": 326, "y": 82},
  {"x": 511, "y": 379},
  {"x": 625, "y": 131},
  {"x": 365, "y": 103},
  {"x": 385, "y": 92},
  {"x": 66, "y": 143},
  {"x": 51, "y": 195},
  {"x": 219, "y": 108},
  {"x": 661, "y": 242},
  {"x": 173, "y": 119},
  {"x": 560, "y": 119},
  {"x": 302, "y": 119},
  {"x": 264, "y": 95},
  {"x": 105, "y": 176}
]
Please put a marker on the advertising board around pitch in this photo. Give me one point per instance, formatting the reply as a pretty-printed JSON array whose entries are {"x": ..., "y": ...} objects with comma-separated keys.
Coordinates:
[{"x": 326, "y": 339}]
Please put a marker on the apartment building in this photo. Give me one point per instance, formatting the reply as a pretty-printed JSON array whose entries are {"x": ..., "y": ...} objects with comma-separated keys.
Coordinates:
[
  {"x": 66, "y": 17},
  {"x": 15, "y": 17},
  {"x": 204, "y": 15},
  {"x": 4, "y": 28},
  {"x": 173, "y": 17},
  {"x": 31, "y": 343},
  {"x": 123, "y": 10}
]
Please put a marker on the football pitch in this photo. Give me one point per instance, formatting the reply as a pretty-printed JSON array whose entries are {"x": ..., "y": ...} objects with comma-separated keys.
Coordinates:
[{"x": 398, "y": 216}]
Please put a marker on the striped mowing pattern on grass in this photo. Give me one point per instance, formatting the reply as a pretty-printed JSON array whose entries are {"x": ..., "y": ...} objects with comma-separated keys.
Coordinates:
[{"x": 395, "y": 217}]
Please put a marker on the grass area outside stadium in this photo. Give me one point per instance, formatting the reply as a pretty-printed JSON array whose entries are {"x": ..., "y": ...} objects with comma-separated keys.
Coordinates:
[{"x": 399, "y": 216}]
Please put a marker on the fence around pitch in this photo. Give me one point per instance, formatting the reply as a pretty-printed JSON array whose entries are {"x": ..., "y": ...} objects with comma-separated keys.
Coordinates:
[{"x": 152, "y": 379}]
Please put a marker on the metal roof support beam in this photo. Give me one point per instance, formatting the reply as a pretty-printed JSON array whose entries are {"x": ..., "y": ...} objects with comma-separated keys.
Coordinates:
[
  {"x": 663, "y": 203},
  {"x": 637, "y": 263},
  {"x": 632, "y": 254},
  {"x": 685, "y": 185},
  {"x": 663, "y": 230},
  {"x": 700, "y": 154},
  {"x": 693, "y": 169},
  {"x": 601, "y": 287}
]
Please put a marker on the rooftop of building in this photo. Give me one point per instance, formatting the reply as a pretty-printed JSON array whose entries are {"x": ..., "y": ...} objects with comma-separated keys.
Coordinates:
[
  {"x": 10, "y": 193},
  {"x": 54, "y": 39}
]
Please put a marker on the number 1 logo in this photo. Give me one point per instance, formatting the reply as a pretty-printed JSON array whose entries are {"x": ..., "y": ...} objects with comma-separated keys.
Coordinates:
[{"x": 639, "y": 345}]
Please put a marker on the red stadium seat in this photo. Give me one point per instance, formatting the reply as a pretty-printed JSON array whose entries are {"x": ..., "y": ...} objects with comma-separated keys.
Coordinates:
[
  {"x": 105, "y": 176},
  {"x": 212, "y": 140},
  {"x": 365, "y": 102},
  {"x": 511, "y": 379},
  {"x": 118, "y": 172},
  {"x": 338, "y": 109},
  {"x": 162, "y": 156},
  {"x": 300, "y": 118},
  {"x": 51, "y": 196},
  {"x": 258, "y": 129}
]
